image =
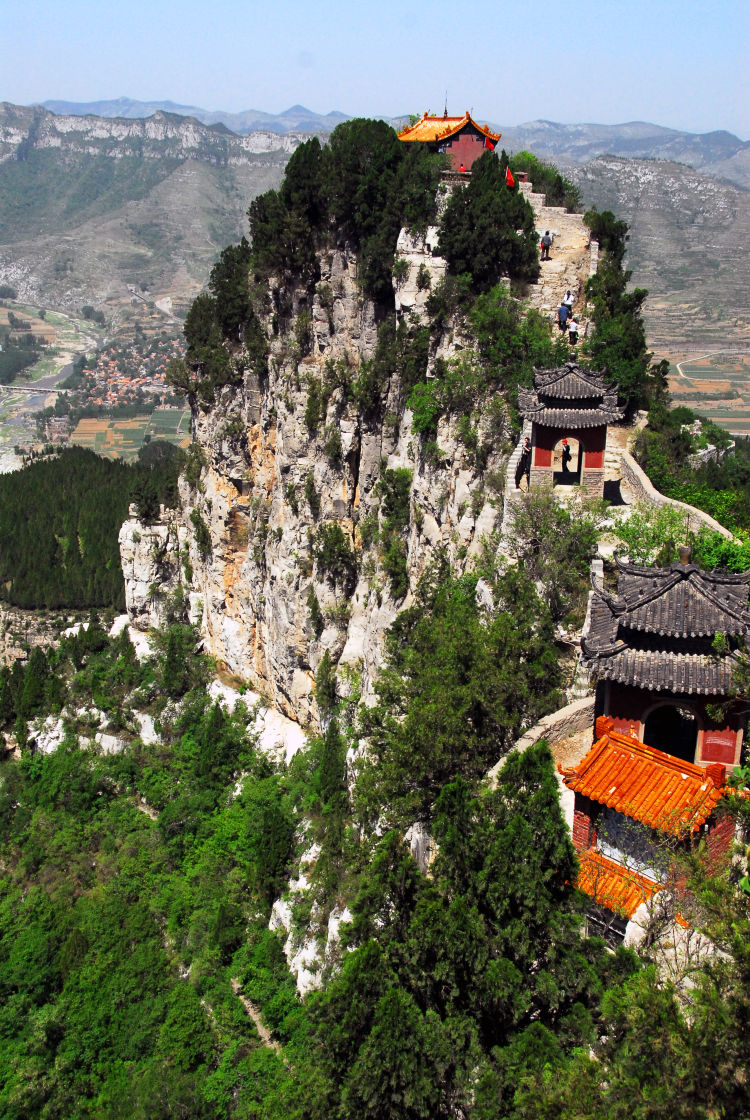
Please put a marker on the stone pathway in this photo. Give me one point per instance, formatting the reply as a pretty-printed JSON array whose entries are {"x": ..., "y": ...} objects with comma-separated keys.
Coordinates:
[{"x": 573, "y": 258}]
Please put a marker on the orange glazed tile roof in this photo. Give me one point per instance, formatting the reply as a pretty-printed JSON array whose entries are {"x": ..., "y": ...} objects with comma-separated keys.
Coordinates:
[
  {"x": 610, "y": 884},
  {"x": 430, "y": 129},
  {"x": 657, "y": 789}
]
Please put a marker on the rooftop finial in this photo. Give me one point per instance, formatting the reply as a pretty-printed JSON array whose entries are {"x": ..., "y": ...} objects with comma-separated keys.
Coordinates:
[{"x": 684, "y": 551}]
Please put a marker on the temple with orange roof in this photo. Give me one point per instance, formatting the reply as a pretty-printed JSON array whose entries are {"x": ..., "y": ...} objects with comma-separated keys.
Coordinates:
[
  {"x": 663, "y": 652},
  {"x": 626, "y": 794},
  {"x": 460, "y": 138}
]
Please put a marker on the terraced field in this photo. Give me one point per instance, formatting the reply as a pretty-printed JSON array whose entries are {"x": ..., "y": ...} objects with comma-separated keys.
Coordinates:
[
  {"x": 716, "y": 385},
  {"x": 123, "y": 439}
]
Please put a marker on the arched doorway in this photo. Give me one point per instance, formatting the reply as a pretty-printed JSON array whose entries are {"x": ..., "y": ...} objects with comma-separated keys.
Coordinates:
[
  {"x": 566, "y": 464},
  {"x": 673, "y": 730}
]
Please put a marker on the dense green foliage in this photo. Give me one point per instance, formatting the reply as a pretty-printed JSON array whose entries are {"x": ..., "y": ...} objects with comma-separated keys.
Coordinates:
[
  {"x": 96, "y": 1019},
  {"x": 358, "y": 190},
  {"x": 59, "y": 522},
  {"x": 722, "y": 489},
  {"x": 455, "y": 690},
  {"x": 511, "y": 342},
  {"x": 487, "y": 229},
  {"x": 546, "y": 180},
  {"x": 135, "y": 891},
  {"x": 618, "y": 341},
  {"x": 222, "y": 330},
  {"x": 17, "y": 354},
  {"x": 555, "y": 542}
]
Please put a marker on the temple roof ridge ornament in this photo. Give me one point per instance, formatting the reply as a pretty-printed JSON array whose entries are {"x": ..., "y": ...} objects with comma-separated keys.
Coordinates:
[{"x": 569, "y": 380}]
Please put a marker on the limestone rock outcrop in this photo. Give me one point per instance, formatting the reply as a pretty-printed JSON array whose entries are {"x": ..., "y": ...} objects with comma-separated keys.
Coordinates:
[{"x": 242, "y": 548}]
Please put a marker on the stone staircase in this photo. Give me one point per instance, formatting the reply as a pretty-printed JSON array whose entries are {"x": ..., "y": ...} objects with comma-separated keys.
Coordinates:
[
  {"x": 511, "y": 495},
  {"x": 573, "y": 257}
]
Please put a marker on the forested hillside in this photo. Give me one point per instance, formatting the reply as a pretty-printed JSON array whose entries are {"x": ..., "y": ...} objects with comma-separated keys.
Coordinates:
[
  {"x": 59, "y": 521},
  {"x": 136, "y": 889}
]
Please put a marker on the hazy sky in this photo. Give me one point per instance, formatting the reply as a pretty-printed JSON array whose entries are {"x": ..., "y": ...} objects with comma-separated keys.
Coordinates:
[{"x": 682, "y": 63}]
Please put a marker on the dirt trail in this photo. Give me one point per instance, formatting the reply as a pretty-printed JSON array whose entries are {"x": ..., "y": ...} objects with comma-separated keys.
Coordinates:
[{"x": 254, "y": 1013}]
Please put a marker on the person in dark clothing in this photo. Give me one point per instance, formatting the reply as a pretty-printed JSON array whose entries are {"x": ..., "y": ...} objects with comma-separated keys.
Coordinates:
[
  {"x": 563, "y": 314},
  {"x": 546, "y": 245},
  {"x": 567, "y": 455},
  {"x": 524, "y": 464}
]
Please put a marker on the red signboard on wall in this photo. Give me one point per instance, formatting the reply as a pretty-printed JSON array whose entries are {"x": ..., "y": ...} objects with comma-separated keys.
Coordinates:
[{"x": 719, "y": 746}]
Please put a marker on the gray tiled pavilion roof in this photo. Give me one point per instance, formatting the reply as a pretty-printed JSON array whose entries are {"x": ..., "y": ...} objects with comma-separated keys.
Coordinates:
[
  {"x": 656, "y": 633},
  {"x": 569, "y": 397}
]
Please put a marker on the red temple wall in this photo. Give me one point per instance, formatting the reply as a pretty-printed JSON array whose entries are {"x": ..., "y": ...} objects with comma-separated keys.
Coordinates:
[
  {"x": 720, "y": 837},
  {"x": 584, "y": 833},
  {"x": 592, "y": 440},
  {"x": 466, "y": 148},
  {"x": 629, "y": 708}
]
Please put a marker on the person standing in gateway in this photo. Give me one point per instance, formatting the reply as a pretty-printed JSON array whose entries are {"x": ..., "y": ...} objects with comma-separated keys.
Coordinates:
[{"x": 524, "y": 464}]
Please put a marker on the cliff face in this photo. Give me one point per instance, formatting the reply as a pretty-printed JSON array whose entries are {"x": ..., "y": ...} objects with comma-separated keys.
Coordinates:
[
  {"x": 160, "y": 136},
  {"x": 256, "y": 589},
  {"x": 90, "y": 208}
]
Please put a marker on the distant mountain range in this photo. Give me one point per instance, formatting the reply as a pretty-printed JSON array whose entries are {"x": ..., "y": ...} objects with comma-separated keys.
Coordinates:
[
  {"x": 93, "y": 208},
  {"x": 717, "y": 153},
  {"x": 296, "y": 119}
]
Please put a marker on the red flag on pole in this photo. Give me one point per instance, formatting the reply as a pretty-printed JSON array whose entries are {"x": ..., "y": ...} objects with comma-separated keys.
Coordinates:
[
  {"x": 489, "y": 144},
  {"x": 509, "y": 178}
]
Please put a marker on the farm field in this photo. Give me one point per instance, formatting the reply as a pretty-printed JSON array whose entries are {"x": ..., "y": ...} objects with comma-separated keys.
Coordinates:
[
  {"x": 65, "y": 336},
  {"x": 716, "y": 385},
  {"x": 123, "y": 439}
]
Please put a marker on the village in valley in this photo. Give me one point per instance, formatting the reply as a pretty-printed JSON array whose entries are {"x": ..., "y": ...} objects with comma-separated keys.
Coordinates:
[{"x": 92, "y": 384}]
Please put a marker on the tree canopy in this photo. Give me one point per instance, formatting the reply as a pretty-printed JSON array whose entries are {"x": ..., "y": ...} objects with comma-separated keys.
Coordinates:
[{"x": 487, "y": 229}]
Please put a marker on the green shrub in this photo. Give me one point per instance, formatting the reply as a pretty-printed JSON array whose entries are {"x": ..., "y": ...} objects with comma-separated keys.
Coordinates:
[
  {"x": 311, "y": 495},
  {"x": 332, "y": 447},
  {"x": 314, "y": 407},
  {"x": 546, "y": 180},
  {"x": 488, "y": 231},
  {"x": 325, "y": 295},
  {"x": 400, "y": 270},
  {"x": 291, "y": 496},
  {"x": 424, "y": 279},
  {"x": 395, "y": 487},
  {"x": 325, "y": 685},
  {"x": 394, "y": 565},
  {"x": 368, "y": 529},
  {"x": 201, "y": 532},
  {"x": 303, "y": 332},
  {"x": 316, "y": 614},
  {"x": 334, "y": 555}
]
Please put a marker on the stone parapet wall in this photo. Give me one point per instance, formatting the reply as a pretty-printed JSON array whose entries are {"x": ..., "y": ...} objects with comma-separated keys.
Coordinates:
[
  {"x": 592, "y": 481},
  {"x": 643, "y": 490},
  {"x": 593, "y": 258},
  {"x": 555, "y": 727}
]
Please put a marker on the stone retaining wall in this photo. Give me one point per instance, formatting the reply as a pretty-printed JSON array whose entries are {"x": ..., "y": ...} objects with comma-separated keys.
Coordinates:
[
  {"x": 643, "y": 490},
  {"x": 555, "y": 727}
]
